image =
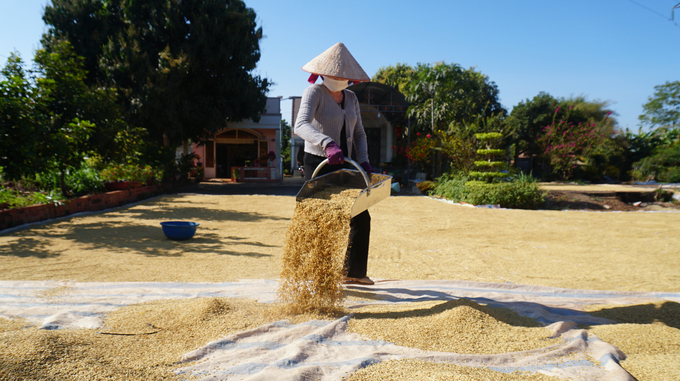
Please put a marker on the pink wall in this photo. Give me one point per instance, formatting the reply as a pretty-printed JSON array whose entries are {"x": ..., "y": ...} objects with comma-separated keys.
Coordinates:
[{"x": 267, "y": 134}]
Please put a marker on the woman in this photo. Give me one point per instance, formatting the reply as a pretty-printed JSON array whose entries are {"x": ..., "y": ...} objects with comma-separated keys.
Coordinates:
[{"x": 329, "y": 120}]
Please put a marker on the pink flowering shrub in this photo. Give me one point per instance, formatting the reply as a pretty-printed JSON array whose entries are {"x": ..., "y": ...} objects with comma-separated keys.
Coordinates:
[
  {"x": 564, "y": 143},
  {"x": 420, "y": 150}
]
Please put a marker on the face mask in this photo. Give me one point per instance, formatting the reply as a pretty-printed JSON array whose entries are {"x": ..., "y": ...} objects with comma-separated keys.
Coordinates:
[{"x": 334, "y": 84}]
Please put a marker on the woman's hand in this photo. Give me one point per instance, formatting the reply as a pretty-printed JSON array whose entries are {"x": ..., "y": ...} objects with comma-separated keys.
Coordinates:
[
  {"x": 367, "y": 167},
  {"x": 334, "y": 154}
]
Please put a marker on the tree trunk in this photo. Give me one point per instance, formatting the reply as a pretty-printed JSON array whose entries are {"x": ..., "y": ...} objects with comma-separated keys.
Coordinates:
[{"x": 62, "y": 182}]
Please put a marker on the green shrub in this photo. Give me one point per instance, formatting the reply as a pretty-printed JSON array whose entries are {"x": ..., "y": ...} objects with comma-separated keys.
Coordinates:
[
  {"x": 488, "y": 175},
  {"x": 520, "y": 193},
  {"x": 491, "y": 151},
  {"x": 44, "y": 181},
  {"x": 663, "y": 165},
  {"x": 185, "y": 163},
  {"x": 131, "y": 173},
  {"x": 11, "y": 199},
  {"x": 671, "y": 175},
  {"x": 452, "y": 187},
  {"x": 488, "y": 135},
  {"x": 490, "y": 169},
  {"x": 85, "y": 180},
  {"x": 489, "y": 163}
]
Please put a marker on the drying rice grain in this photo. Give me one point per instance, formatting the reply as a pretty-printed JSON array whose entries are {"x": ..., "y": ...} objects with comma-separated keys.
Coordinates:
[
  {"x": 649, "y": 335},
  {"x": 652, "y": 350},
  {"x": 137, "y": 342},
  {"x": 12, "y": 324},
  {"x": 459, "y": 326},
  {"x": 313, "y": 263},
  {"x": 407, "y": 370}
]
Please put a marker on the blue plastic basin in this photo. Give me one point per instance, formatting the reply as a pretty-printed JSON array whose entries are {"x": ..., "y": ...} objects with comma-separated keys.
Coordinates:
[{"x": 179, "y": 230}]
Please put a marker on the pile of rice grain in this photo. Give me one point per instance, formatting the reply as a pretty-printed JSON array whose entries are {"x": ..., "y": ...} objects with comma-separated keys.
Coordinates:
[
  {"x": 313, "y": 263},
  {"x": 137, "y": 342},
  {"x": 407, "y": 370},
  {"x": 458, "y": 326}
]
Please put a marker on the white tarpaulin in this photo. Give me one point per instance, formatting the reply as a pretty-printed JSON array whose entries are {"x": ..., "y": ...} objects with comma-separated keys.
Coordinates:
[
  {"x": 54, "y": 304},
  {"x": 323, "y": 348}
]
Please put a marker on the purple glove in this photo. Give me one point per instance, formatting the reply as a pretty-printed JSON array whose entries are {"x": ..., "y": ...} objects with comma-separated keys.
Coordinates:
[
  {"x": 367, "y": 167},
  {"x": 334, "y": 154}
]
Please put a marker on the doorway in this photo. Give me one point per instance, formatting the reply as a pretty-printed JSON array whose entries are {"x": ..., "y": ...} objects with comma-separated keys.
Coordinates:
[
  {"x": 233, "y": 155},
  {"x": 374, "y": 138}
]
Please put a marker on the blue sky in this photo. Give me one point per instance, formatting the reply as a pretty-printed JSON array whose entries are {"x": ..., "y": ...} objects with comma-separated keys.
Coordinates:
[{"x": 609, "y": 50}]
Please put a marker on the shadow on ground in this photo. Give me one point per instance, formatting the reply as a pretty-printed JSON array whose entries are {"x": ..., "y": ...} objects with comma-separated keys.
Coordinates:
[
  {"x": 128, "y": 230},
  {"x": 287, "y": 187},
  {"x": 667, "y": 313},
  {"x": 504, "y": 315},
  {"x": 130, "y": 238}
]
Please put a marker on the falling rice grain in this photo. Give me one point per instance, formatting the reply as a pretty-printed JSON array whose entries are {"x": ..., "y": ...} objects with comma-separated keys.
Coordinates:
[{"x": 313, "y": 263}]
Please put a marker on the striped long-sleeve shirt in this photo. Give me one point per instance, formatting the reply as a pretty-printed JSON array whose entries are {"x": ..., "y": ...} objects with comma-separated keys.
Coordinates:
[{"x": 320, "y": 121}]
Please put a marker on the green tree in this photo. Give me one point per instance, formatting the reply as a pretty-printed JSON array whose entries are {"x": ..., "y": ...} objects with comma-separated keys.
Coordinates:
[
  {"x": 87, "y": 25},
  {"x": 663, "y": 162},
  {"x": 585, "y": 111},
  {"x": 62, "y": 76},
  {"x": 448, "y": 103},
  {"x": 530, "y": 117},
  {"x": 453, "y": 95},
  {"x": 285, "y": 143},
  {"x": 565, "y": 143},
  {"x": 651, "y": 154},
  {"x": 663, "y": 108},
  {"x": 397, "y": 76},
  {"x": 448, "y": 97},
  {"x": 21, "y": 122},
  {"x": 182, "y": 68},
  {"x": 65, "y": 141},
  {"x": 445, "y": 98}
]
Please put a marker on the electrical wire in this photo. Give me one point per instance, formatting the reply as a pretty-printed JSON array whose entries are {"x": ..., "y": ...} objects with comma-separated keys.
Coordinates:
[{"x": 655, "y": 12}]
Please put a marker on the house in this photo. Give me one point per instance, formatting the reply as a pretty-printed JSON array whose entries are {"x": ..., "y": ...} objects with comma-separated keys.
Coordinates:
[{"x": 246, "y": 147}]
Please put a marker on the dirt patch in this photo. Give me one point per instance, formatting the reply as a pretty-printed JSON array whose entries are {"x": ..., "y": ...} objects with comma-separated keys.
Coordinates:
[
  {"x": 606, "y": 201},
  {"x": 609, "y": 197}
]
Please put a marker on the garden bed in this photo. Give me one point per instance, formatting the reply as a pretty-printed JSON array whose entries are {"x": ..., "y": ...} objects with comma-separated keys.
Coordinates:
[
  {"x": 606, "y": 198},
  {"x": 14, "y": 217}
]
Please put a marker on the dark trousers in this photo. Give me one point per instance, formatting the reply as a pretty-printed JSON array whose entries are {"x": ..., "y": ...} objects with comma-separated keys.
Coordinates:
[{"x": 360, "y": 225}]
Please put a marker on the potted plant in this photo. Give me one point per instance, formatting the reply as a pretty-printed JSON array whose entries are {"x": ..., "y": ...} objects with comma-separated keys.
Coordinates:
[
  {"x": 271, "y": 157},
  {"x": 185, "y": 165},
  {"x": 199, "y": 172}
]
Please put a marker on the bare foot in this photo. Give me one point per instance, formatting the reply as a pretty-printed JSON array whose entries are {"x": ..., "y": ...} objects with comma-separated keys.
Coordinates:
[{"x": 365, "y": 280}]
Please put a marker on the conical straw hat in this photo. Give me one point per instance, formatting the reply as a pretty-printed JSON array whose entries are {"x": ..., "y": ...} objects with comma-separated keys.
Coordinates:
[{"x": 337, "y": 61}]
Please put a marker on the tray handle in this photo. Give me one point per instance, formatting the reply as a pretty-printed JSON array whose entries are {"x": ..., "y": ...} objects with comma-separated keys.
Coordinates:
[{"x": 354, "y": 163}]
